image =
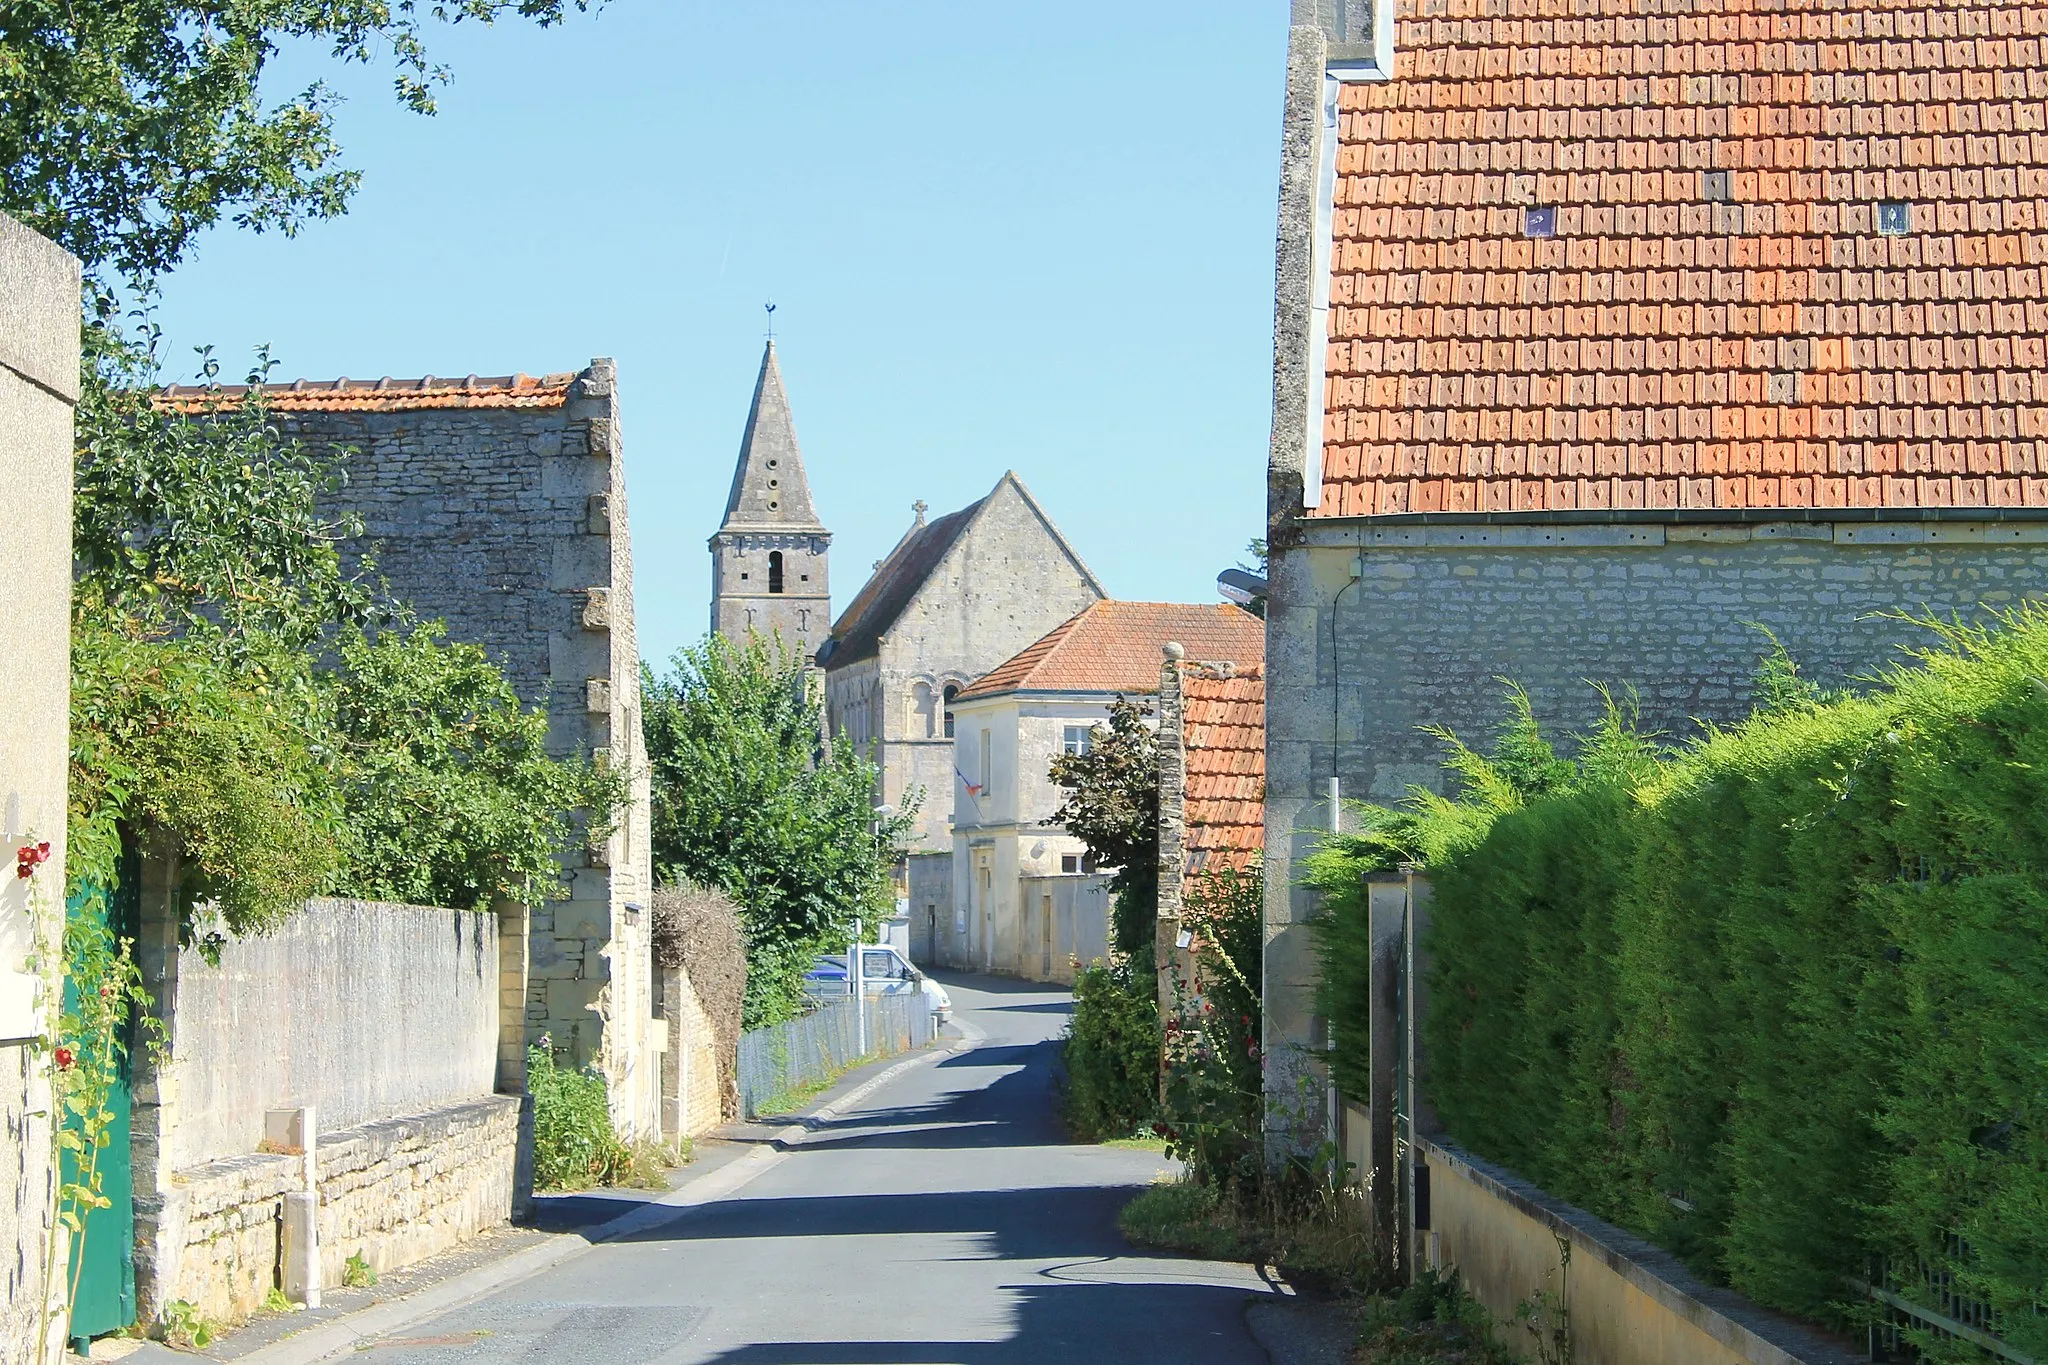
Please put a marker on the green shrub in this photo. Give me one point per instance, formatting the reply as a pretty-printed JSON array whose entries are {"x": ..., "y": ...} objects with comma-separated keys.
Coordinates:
[
  {"x": 1111, "y": 1085},
  {"x": 1777, "y": 999},
  {"x": 574, "y": 1144},
  {"x": 1215, "y": 1082}
]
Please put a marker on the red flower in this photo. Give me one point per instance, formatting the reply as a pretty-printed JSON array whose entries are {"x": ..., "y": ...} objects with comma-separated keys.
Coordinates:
[
  {"x": 29, "y": 857},
  {"x": 65, "y": 1058}
]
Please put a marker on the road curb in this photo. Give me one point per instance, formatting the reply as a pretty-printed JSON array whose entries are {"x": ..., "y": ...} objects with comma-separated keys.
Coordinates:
[{"x": 343, "y": 1335}]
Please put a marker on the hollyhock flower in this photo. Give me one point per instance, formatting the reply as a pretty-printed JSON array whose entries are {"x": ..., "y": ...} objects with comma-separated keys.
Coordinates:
[{"x": 65, "y": 1058}]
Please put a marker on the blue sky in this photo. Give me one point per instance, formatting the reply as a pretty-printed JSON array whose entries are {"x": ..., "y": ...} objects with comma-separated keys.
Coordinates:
[{"x": 1030, "y": 236}]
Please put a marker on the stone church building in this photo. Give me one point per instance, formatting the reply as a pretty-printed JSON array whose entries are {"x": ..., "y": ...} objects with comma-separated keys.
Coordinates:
[
  {"x": 956, "y": 597},
  {"x": 768, "y": 558}
]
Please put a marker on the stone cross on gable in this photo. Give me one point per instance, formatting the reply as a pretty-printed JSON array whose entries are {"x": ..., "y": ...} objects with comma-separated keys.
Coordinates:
[{"x": 920, "y": 507}]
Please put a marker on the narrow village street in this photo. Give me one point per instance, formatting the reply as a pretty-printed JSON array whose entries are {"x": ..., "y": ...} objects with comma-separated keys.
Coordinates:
[{"x": 944, "y": 1219}]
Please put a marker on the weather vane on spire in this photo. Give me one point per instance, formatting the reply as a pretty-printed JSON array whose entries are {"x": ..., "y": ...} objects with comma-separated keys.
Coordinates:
[{"x": 771, "y": 321}]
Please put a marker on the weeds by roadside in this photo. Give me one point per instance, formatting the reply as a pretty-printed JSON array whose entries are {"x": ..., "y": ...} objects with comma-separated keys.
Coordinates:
[
  {"x": 1432, "y": 1321},
  {"x": 649, "y": 1163},
  {"x": 1316, "y": 1240},
  {"x": 574, "y": 1143}
]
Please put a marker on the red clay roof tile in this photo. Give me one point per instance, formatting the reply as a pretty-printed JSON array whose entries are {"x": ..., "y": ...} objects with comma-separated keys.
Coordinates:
[
  {"x": 1664, "y": 349},
  {"x": 1114, "y": 647},
  {"x": 381, "y": 395},
  {"x": 1224, "y": 725}
]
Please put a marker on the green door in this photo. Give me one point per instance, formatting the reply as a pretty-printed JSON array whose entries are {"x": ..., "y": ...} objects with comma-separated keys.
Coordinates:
[{"x": 103, "y": 1261}]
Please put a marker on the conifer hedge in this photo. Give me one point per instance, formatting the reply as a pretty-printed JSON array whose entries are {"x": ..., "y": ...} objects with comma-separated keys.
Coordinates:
[{"x": 1777, "y": 999}]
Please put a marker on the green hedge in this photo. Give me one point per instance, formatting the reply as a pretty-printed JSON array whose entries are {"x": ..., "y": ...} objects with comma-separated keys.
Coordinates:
[
  {"x": 1794, "y": 975},
  {"x": 1109, "y": 1086}
]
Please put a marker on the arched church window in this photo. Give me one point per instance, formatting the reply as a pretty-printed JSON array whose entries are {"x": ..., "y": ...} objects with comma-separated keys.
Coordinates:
[
  {"x": 775, "y": 571},
  {"x": 952, "y": 691},
  {"x": 924, "y": 716}
]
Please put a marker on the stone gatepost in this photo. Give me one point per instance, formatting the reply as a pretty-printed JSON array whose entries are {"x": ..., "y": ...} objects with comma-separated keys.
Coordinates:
[
  {"x": 514, "y": 932},
  {"x": 1173, "y": 833},
  {"x": 160, "y": 1203}
]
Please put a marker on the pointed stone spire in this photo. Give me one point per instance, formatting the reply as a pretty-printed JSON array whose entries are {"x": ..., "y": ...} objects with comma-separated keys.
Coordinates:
[
  {"x": 770, "y": 559},
  {"x": 768, "y": 486}
]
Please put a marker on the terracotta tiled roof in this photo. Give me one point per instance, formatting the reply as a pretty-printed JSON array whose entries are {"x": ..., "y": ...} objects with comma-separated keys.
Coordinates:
[
  {"x": 1114, "y": 647},
  {"x": 1665, "y": 349},
  {"x": 1225, "y": 729},
  {"x": 382, "y": 395}
]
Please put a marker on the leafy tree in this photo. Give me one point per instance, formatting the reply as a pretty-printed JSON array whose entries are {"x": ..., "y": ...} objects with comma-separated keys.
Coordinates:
[
  {"x": 202, "y": 515},
  {"x": 447, "y": 789},
  {"x": 1112, "y": 806},
  {"x": 166, "y": 734},
  {"x": 127, "y": 127},
  {"x": 749, "y": 798}
]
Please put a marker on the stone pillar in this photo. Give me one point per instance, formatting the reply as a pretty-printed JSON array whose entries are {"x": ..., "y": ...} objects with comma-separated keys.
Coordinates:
[
  {"x": 297, "y": 1131},
  {"x": 1173, "y": 832},
  {"x": 514, "y": 966},
  {"x": 1387, "y": 911},
  {"x": 160, "y": 1202},
  {"x": 514, "y": 933},
  {"x": 674, "y": 1120},
  {"x": 1418, "y": 1113}
]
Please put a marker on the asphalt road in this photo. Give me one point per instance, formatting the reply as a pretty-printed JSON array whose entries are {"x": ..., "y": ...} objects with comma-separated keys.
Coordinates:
[{"x": 945, "y": 1220}]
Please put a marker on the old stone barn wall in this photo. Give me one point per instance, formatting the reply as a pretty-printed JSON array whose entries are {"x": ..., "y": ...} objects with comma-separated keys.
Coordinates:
[
  {"x": 1439, "y": 614},
  {"x": 499, "y": 506}
]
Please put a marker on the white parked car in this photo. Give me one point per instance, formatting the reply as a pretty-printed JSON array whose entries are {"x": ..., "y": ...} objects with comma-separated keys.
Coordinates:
[{"x": 884, "y": 971}]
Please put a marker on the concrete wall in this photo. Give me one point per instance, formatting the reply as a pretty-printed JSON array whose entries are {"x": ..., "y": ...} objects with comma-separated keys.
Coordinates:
[
  {"x": 38, "y": 388},
  {"x": 1061, "y": 920},
  {"x": 1630, "y": 1303},
  {"x": 937, "y": 933},
  {"x": 510, "y": 524},
  {"x": 384, "y": 1020},
  {"x": 365, "y": 1011}
]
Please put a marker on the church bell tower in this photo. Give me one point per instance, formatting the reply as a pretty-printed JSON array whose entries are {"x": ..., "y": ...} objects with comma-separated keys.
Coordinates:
[{"x": 769, "y": 557}]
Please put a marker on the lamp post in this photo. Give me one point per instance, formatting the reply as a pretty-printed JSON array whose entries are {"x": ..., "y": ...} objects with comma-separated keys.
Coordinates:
[{"x": 856, "y": 976}]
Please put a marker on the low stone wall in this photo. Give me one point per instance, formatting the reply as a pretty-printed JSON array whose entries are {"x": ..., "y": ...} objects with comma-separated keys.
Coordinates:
[
  {"x": 379, "y": 1024},
  {"x": 394, "y": 1192},
  {"x": 689, "y": 1068},
  {"x": 1631, "y": 1303}
]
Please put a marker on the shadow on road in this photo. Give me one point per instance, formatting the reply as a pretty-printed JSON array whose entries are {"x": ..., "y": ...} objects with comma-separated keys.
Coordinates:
[{"x": 1056, "y": 1321}]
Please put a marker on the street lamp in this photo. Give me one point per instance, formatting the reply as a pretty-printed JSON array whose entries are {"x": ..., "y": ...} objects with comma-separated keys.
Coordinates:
[{"x": 855, "y": 975}]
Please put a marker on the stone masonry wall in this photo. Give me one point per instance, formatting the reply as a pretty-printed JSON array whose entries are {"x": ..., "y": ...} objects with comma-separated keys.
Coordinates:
[
  {"x": 38, "y": 389},
  {"x": 510, "y": 524},
  {"x": 394, "y": 1192},
  {"x": 383, "y": 1022},
  {"x": 1439, "y": 614}
]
